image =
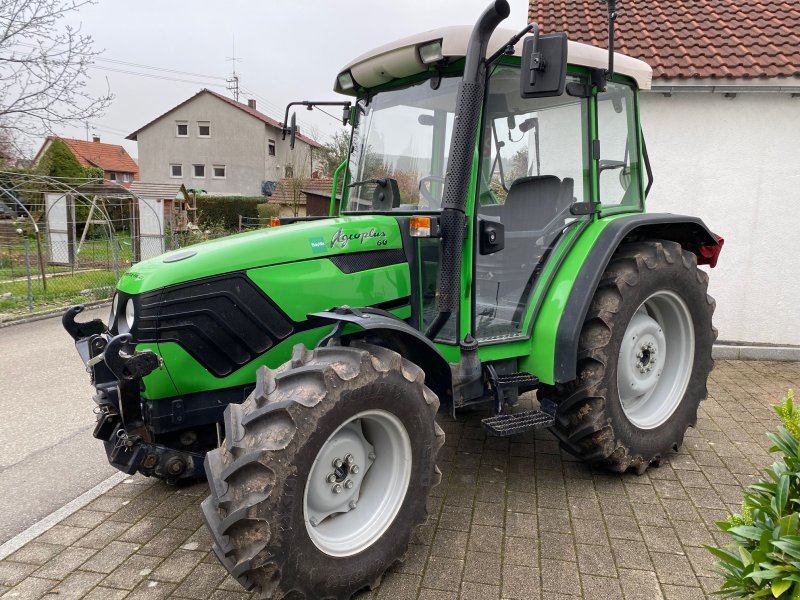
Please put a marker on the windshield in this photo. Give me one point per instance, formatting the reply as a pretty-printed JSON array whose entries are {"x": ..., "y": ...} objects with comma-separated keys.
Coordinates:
[{"x": 400, "y": 147}]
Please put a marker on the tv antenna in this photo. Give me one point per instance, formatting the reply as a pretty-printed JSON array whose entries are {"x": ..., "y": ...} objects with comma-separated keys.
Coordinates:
[{"x": 233, "y": 82}]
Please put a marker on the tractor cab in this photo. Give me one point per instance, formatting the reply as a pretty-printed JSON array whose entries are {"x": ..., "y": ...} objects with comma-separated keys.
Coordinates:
[{"x": 544, "y": 163}]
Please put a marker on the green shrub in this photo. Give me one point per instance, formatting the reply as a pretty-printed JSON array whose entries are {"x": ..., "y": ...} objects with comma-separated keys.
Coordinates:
[
  {"x": 267, "y": 211},
  {"x": 225, "y": 210},
  {"x": 59, "y": 161},
  {"x": 764, "y": 559}
]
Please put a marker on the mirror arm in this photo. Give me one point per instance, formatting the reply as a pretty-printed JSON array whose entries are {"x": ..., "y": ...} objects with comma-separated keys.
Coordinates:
[
  {"x": 508, "y": 48},
  {"x": 346, "y": 105}
]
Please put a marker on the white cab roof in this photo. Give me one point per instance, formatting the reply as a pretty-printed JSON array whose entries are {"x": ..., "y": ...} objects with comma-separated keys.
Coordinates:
[{"x": 400, "y": 58}]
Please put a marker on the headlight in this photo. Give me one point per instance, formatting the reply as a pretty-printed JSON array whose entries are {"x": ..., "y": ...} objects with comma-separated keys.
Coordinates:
[
  {"x": 130, "y": 313},
  {"x": 114, "y": 306}
]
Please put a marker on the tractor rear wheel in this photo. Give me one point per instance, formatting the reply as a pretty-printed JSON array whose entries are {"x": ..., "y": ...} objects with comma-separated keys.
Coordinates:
[
  {"x": 324, "y": 472},
  {"x": 644, "y": 357}
]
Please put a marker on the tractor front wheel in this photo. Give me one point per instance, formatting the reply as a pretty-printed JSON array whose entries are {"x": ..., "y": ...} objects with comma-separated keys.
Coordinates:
[
  {"x": 644, "y": 357},
  {"x": 324, "y": 472}
]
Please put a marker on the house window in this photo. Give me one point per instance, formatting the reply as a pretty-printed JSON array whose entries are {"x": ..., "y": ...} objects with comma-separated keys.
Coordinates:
[
  {"x": 199, "y": 170},
  {"x": 219, "y": 171},
  {"x": 271, "y": 147},
  {"x": 127, "y": 177},
  {"x": 112, "y": 176},
  {"x": 289, "y": 171},
  {"x": 204, "y": 129},
  {"x": 176, "y": 170},
  {"x": 182, "y": 128}
]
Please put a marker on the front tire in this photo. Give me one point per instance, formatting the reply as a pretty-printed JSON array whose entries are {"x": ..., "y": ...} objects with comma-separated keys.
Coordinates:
[
  {"x": 644, "y": 357},
  {"x": 324, "y": 473}
]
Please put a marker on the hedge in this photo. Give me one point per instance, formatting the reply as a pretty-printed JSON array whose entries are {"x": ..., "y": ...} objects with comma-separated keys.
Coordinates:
[{"x": 224, "y": 211}]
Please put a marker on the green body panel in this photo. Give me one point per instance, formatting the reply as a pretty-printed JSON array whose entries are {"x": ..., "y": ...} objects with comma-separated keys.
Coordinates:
[
  {"x": 191, "y": 377},
  {"x": 272, "y": 246},
  {"x": 317, "y": 285}
]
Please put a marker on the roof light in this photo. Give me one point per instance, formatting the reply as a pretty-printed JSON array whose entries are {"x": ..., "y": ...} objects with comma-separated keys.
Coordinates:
[
  {"x": 346, "y": 81},
  {"x": 431, "y": 52},
  {"x": 420, "y": 226}
]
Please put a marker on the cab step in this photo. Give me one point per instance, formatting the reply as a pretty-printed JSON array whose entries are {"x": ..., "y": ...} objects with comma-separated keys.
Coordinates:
[
  {"x": 513, "y": 423},
  {"x": 521, "y": 422},
  {"x": 522, "y": 381}
]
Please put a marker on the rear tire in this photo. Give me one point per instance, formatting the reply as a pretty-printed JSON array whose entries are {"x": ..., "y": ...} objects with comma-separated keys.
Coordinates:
[
  {"x": 284, "y": 519},
  {"x": 644, "y": 357}
]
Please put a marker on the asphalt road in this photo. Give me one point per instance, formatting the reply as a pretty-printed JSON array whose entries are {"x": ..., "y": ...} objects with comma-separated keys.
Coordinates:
[{"x": 48, "y": 456}]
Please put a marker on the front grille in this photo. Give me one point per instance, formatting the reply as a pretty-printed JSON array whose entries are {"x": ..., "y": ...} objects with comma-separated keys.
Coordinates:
[{"x": 223, "y": 322}]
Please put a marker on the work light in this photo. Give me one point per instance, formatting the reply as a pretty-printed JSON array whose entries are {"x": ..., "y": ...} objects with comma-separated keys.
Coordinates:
[{"x": 431, "y": 52}]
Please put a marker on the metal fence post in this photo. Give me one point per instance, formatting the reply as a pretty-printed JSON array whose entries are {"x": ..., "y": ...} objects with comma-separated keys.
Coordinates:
[
  {"x": 28, "y": 272},
  {"x": 115, "y": 251}
]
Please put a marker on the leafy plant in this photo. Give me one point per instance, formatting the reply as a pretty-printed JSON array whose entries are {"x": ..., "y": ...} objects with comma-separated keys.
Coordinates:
[{"x": 764, "y": 559}]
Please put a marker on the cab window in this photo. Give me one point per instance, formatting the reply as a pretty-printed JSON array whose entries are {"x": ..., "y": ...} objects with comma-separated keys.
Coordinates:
[{"x": 619, "y": 165}]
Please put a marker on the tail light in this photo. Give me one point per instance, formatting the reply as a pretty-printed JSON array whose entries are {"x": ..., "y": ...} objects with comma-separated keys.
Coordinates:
[{"x": 710, "y": 254}]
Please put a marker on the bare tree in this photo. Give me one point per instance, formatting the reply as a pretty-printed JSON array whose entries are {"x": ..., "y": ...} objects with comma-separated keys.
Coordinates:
[
  {"x": 44, "y": 66},
  {"x": 299, "y": 167}
]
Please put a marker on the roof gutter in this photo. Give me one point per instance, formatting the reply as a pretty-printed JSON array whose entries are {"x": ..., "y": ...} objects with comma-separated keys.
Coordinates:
[{"x": 775, "y": 85}]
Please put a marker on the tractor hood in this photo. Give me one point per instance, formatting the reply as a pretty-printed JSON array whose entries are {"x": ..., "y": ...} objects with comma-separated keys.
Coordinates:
[{"x": 272, "y": 246}]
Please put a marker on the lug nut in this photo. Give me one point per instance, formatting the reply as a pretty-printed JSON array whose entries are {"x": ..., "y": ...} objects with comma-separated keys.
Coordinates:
[
  {"x": 337, "y": 463},
  {"x": 352, "y": 504},
  {"x": 337, "y": 489},
  {"x": 349, "y": 459},
  {"x": 354, "y": 469},
  {"x": 331, "y": 478},
  {"x": 349, "y": 484}
]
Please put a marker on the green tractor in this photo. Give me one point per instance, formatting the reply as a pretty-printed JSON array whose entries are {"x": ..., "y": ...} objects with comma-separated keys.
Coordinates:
[{"x": 492, "y": 240}]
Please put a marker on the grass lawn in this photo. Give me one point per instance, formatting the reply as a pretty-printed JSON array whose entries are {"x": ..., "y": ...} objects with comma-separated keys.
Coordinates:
[{"x": 61, "y": 291}]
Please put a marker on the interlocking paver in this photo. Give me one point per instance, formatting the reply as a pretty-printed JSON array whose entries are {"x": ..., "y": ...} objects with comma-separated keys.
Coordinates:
[{"x": 516, "y": 519}]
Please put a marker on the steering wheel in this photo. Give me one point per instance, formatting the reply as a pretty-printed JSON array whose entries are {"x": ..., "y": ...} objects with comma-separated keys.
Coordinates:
[{"x": 426, "y": 192}]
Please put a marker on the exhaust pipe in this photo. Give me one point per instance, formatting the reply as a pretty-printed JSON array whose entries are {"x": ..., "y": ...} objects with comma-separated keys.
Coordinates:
[{"x": 459, "y": 165}]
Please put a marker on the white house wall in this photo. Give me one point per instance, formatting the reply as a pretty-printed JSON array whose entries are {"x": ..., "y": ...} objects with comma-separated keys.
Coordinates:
[
  {"x": 238, "y": 141},
  {"x": 735, "y": 162}
]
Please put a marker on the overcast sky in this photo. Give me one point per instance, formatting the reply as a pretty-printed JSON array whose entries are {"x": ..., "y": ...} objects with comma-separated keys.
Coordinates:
[{"x": 289, "y": 50}]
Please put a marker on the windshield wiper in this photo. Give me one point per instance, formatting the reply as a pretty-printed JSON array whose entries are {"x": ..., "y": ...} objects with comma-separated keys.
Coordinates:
[{"x": 380, "y": 182}]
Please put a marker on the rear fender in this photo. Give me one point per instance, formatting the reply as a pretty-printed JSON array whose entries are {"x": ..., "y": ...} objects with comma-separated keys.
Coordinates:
[
  {"x": 690, "y": 232},
  {"x": 397, "y": 335}
]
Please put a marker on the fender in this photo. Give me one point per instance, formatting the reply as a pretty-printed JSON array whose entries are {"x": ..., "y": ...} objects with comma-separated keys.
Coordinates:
[
  {"x": 402, "y": 338},
  {"x": 689, "y": 232}
]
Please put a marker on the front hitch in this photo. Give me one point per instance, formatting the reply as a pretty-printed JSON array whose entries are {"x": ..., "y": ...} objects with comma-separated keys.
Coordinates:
[{"x": 81, "y": 330}]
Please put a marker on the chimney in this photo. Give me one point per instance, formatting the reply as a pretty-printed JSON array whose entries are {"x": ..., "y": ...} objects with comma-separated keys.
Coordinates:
[
  {"x": 251, "y": 103},
  {"x": 95, "y": 138}
]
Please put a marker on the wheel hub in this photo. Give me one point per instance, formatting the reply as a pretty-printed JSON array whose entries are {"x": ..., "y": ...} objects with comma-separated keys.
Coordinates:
[
  {"x": 335, "y": 481},
  {"x": 655, "y": 360},
  {"x": 357, "y": 483}
]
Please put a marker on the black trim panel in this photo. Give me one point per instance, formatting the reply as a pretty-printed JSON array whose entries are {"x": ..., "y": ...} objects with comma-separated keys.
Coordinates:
[
  {"x": 690, "y": 232},
  {"x": 354, "y": 262}
]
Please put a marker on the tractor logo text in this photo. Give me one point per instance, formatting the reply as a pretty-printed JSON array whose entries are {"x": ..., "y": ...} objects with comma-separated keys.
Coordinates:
[
  {"x": 318, "y": 245},
  {"x": 342, "y": 239}
]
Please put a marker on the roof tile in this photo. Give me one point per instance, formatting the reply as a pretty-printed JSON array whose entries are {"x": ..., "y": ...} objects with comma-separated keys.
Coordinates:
[
  {"x": 697, "y": 38},
  {"x": 109, "y": 157}
]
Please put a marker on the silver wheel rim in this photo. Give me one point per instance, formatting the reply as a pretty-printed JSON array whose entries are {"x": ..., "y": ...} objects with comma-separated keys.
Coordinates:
[
  {"x": 655, "y": 360},
  {"x": 357, "y": 483}
]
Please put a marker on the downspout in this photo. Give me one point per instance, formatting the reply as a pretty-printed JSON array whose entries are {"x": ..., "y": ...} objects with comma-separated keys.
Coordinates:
[{"x": 459, "y": 166}]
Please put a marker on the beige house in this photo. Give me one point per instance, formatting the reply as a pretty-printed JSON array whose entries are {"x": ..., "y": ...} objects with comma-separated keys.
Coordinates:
[{"x": 213, "y": 143}]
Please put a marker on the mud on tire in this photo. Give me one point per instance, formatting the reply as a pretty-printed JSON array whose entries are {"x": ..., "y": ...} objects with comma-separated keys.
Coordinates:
[
  {"x": 590, "y": 420},
  {"x": 255, "y": 511}
]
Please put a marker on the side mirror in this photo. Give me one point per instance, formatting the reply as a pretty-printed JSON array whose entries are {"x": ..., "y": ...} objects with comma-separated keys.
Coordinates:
[
  {"x": 491, "y": 236},
  {"x": 293, "y": 130},
  {"x": 544, "y": 65},
  {"x": 386, "y": 194}
]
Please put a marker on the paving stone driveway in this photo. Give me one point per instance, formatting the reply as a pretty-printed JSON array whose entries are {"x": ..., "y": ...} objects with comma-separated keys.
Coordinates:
[{"x": 512, "y": 519}]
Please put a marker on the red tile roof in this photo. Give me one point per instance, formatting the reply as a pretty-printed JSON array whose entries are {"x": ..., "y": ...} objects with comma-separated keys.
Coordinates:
[
  {"x": 688, "y": 38},
  {"x": 109, "y": 157},
  {"x": 251, "y": 111}
]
